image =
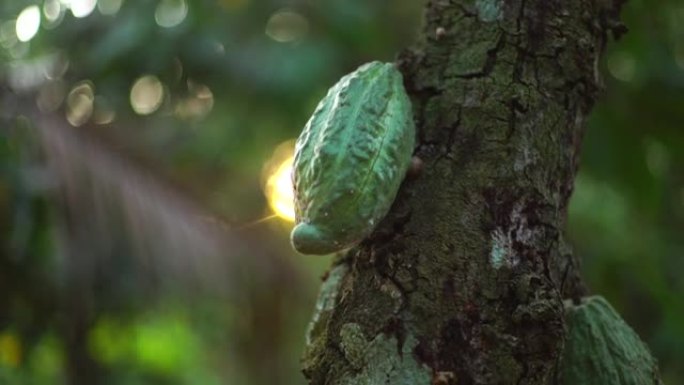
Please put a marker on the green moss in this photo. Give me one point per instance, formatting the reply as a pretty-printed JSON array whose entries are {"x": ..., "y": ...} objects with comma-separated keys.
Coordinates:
[
  {"x": 472, "y": 58},
  {"x": 382, "y": 360},
  {"x": 601, "y": 349}
]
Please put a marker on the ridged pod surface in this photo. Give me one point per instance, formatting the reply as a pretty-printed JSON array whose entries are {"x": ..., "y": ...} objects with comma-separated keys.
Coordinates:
[
  {"x": 351, "y": 158},
  {"x": 601, "y": 349}
]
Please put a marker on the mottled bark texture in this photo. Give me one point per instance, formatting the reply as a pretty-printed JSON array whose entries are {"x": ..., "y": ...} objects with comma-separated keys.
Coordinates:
[{"x": 463, "y": 282}]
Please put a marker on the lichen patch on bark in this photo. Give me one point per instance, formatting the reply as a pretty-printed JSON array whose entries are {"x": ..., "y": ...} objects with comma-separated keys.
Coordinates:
[
  {"x": 381, "y": 360},
  {"x": 489, "y": 10}
]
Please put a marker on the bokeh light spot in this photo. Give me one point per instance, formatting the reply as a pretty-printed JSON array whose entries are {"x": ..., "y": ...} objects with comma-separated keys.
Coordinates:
[
  {"x": 109, "y": 7},
  {"x": 109, "y": 341},
  {"x": 80, "y": 103},
  {"x": 657, "y": 157},
  {"x": 147, "y": 95},
  {"x": 622, "y": 66},
  {"x": 286, "y": 26},
  {"x": 82, "y": 8},
  {"x": 163, "y": 344},
  {"x": 170, "y": 13},
  {"x": 10, "y": 350},
  {"x": 198, "y": 104},
  {"x": 28, "y": 23},
  {"x": 52, "y": 10},
  {"x": 233, "y": 5}
]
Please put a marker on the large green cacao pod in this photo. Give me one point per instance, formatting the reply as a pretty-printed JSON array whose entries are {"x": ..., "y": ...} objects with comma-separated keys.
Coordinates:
[
  {"x": 351, "y": 158},
  {"x": 601, "y": 349}
]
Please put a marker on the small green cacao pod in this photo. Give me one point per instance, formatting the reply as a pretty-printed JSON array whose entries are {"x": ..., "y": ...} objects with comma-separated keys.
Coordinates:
[
  {"x": 351, "y": 158},
  {"x": 601, "y": 349}
]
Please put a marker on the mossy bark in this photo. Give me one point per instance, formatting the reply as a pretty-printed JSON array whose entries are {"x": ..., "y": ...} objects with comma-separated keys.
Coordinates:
[{"x": 463, "y": 282}]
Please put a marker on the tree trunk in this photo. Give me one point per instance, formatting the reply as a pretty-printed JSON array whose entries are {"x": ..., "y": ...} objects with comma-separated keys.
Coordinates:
[{"x": 464, "y": 280}]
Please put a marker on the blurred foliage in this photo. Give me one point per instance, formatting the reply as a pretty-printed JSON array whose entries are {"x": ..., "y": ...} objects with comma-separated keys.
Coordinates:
[
  {"x": 200, "y": 94},
  {"x": 626, "y": 217}
]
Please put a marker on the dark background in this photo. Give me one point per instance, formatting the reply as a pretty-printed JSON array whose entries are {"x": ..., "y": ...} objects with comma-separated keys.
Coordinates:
[{"x": 136, "y": 141}]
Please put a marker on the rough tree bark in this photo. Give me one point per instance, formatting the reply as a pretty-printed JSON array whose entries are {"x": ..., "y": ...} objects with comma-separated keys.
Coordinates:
[{"x": 464, "y": 280}]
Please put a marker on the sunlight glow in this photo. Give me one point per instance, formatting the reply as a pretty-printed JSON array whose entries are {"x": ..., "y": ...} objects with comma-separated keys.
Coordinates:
[
  {"x": 279, "y": 190},
  {"x": 28, "y": 23}
]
